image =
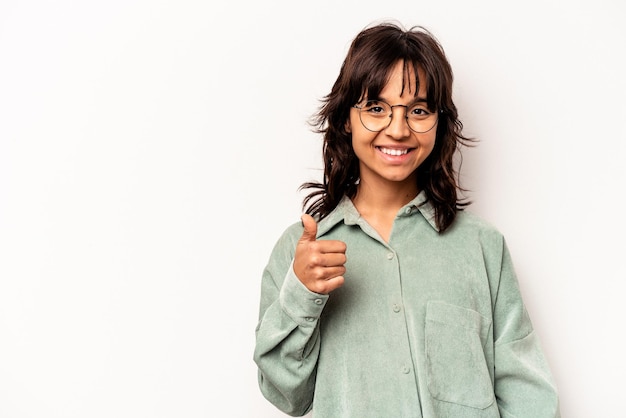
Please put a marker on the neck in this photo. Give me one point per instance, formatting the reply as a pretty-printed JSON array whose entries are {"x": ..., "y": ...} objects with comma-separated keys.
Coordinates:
[{"x": 373, "y": 198}]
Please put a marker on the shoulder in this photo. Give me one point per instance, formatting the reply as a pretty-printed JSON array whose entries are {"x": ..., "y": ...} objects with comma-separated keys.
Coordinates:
[
  {"x": 288, "y": 238},
  {"x": 471, "y": 232},
  {"x": 471, "y": 226},
  {"x": 468, "y": 219}
]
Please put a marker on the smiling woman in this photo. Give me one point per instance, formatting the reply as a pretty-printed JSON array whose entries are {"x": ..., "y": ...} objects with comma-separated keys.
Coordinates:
[
  {"x": 151, "y": 153},
  {"x": 390, "y": 155},
  {"x": 388, "y": 299}
]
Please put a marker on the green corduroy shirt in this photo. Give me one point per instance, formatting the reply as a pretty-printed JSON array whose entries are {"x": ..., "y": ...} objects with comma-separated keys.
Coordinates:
[{"x": 426, "y": 325}]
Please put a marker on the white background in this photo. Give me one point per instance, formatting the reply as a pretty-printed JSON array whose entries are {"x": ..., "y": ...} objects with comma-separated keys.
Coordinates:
[{"x": 150, "y": 155}]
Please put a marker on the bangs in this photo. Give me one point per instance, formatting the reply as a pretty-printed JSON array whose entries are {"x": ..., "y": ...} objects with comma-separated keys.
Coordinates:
[{"x": 413, "y": 76}]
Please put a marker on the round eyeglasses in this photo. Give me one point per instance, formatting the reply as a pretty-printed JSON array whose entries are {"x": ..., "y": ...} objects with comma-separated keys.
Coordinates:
[{"x": 376, "y": 115}]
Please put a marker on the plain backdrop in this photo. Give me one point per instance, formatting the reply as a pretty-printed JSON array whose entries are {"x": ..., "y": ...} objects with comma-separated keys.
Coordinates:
[{"x": 151, "y": 153}]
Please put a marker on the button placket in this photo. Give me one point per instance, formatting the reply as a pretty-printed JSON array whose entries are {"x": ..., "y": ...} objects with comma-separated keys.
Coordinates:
[{"x": 397, "y": 307}]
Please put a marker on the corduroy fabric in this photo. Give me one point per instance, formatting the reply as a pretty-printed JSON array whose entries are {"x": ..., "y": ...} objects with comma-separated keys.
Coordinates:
[{"x": 428, "y": 325}]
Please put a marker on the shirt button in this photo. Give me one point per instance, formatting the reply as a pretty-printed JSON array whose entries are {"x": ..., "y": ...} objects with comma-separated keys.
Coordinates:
[
  {"x": 396, "y": 307},
  {"x": 408, "y": 211},
  {"x": 406, "y": 370},
  {"x": 309, "y": 319},
  {"x": 318, "y": 301},
  {"x": 390, "y": 256}
]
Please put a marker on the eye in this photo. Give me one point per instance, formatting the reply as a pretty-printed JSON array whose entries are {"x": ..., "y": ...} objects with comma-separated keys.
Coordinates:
[
  {"x": 419, "y": 111},
  {"x": 376, "y": 108}
]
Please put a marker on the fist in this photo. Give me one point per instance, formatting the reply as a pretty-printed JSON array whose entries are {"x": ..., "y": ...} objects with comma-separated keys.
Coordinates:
[{"x": 319, "y": 264}]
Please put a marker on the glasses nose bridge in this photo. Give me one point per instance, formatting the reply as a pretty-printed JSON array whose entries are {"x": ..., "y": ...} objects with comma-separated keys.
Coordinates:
[
  {"x": 406, "y": 109},
  {"x": 406, "y": 116}
]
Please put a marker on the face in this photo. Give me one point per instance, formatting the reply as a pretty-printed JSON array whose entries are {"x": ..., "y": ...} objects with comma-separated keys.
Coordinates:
[{"x": 391, "y": 156}]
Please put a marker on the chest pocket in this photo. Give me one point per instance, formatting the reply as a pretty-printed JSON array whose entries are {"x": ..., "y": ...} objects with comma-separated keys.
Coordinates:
[{"x": 456, "y": 367}]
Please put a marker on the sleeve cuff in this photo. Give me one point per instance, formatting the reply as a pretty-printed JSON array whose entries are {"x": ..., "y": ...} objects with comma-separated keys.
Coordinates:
[{"x": 302, "y": 305}]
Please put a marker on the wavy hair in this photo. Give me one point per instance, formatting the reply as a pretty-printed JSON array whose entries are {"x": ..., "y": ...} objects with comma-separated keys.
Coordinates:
[{"x": 364, "y": 73}]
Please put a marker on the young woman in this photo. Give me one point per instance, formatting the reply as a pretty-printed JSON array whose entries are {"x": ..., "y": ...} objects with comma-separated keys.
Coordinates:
[{"x": 388, "y": 299}]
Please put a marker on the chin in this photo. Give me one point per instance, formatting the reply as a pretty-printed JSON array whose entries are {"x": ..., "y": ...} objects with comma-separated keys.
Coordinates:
[{"x": 400, "y": 178}]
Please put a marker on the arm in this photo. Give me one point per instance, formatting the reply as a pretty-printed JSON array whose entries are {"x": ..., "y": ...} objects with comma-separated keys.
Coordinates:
[
  {"x": 523, "y": 383},
  {"x": 287, "y": 335}
]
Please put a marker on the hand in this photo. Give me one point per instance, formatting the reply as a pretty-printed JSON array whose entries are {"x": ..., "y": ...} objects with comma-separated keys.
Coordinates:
[{"x": 319, "y": 264}]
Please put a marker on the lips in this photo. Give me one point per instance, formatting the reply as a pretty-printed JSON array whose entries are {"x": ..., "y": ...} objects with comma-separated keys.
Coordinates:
[{"x": 394, "y": 151}]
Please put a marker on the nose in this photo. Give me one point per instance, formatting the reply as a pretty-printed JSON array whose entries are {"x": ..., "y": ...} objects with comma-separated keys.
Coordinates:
[{"x": 398, "y": 127}]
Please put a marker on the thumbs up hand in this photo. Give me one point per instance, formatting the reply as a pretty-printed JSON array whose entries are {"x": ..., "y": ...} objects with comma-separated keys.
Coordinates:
[{"x": 319, "y": 264}]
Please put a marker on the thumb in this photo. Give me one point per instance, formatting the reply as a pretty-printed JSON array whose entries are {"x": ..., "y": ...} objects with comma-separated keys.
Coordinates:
[{"x": 310, "y": 228}]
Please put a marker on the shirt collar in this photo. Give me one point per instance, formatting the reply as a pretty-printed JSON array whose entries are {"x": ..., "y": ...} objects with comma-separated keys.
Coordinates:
[{"x": 346, "y": 212}]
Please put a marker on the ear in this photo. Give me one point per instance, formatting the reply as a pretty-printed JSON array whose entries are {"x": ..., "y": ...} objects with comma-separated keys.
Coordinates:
[{"x": 348, "y": 126}]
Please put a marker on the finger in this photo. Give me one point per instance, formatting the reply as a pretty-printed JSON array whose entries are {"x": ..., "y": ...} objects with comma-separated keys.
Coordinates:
[
  {"x": 331, "y": 246},
  {"x": 333, "y": 260},
  {"x": 310, "y": 228},
  {"x": 322, "y": 273},
  {"x": 332, "y": 273},
  {"x": 325, "y": 287}
]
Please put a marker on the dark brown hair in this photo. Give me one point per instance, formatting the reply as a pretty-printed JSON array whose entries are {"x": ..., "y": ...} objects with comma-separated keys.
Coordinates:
[{"x": 364, "y": 73}]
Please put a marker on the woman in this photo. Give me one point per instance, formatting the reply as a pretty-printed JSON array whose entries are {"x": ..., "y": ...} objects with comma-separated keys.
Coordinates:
[{"x": 388, "y": 299}]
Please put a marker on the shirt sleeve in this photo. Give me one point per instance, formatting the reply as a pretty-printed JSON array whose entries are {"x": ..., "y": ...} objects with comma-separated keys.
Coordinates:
[
  {"x": 523, "y": 385},
  {"x": 287, "y": 334}
]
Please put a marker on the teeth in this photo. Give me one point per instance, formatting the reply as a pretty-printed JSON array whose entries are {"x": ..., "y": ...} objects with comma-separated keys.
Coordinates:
[{"x": 393, "y": 151}]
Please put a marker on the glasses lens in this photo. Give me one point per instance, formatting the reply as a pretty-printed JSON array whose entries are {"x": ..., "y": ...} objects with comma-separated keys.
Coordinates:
[
  {"x": 375, "y": 115},
  {"x": 420, "y": 118}
]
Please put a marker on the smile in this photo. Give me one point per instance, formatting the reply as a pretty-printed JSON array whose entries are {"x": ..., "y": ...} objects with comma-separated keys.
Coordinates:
[{"x": 394, "y": 152}]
